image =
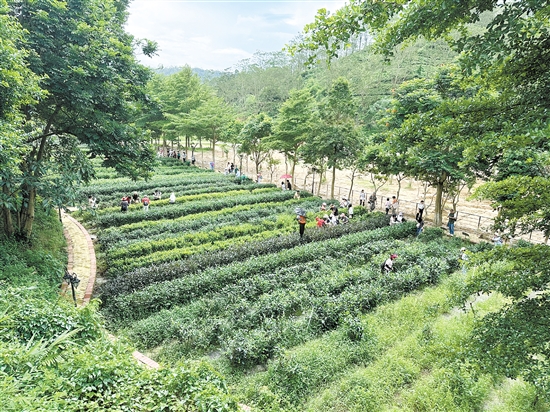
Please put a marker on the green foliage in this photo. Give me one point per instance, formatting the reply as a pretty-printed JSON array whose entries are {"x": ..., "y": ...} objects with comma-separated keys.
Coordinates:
[
  {"x": 432, "y": 233},
  {"x": 522, "y": 202},
  {"x": 167, "y": 294},
  {"x": 298, "y": 372},
  {"x": 415, "y": 360},
  {"x": 54, "y": 356},
  {"x": 505, "y": 342},
  {"x": 254, "y": 137},
  {"x": 139, "y": 278},
  {"x": 18, "y": 86},
  {"x": 94, "y": 88},
  {"x": 40, "y": 261},
  {"x": 174, "y": 211}
]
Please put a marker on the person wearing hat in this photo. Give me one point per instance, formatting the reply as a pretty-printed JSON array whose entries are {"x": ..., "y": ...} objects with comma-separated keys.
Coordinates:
[
  {"x": 463, "y": 258},
  {"x": 323, "y": 207},
  {"x": 388, "y": 264}
]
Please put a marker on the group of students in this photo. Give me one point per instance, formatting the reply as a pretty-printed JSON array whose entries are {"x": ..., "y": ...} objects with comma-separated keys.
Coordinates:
[
  {"x": 134, "y": 199},
  {"x": 231, "y": 168},
  {"x": 335, "y": 218},
  {"x": 363, "y": 200},
  {"x": 176, "y": 154},
  {"x": 145, "y": 201}
]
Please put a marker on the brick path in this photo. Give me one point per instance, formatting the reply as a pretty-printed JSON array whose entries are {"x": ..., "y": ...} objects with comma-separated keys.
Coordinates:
[{"x": 82, "y": 262}]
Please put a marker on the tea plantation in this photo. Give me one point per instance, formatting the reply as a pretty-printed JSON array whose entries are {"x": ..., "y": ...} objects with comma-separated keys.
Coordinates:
[{"x": 221, "y": 275}]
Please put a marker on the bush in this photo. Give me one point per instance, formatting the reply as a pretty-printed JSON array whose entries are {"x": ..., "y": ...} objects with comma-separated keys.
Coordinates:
[
  {"x": 139, "y": 278},
  {"x": 430, "y": 234}
]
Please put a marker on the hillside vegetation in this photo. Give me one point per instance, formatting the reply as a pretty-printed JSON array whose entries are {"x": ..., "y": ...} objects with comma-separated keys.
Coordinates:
[
  {"x": 295, "y": 324},
  {"x": 219, "y": 279}
]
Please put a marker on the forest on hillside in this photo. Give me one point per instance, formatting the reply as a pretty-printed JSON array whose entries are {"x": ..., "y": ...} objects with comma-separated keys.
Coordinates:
[{"x": 452, "y": 94}]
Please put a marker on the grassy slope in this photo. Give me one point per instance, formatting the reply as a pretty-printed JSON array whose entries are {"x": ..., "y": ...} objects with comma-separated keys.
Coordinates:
[{"x": 414, "y": 358}]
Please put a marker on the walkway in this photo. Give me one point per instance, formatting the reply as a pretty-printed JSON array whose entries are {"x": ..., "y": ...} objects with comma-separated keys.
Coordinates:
[
  {"x": 82, "y": 262},
  {"x": 81, "y": 253}
]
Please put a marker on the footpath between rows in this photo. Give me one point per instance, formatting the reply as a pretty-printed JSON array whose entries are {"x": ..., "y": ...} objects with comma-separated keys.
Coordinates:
[{"x": 82, "y": 263}]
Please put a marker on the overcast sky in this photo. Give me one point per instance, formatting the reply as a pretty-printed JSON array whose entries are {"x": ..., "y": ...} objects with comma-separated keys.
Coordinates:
[{"x": 216, "y": 34}]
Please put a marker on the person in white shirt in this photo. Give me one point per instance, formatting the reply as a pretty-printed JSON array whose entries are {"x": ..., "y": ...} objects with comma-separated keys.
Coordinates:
[
  {"x": 172, "y": 197},
  {"x": 362, "y": 198},
  {"x": 421, "y": 208}
]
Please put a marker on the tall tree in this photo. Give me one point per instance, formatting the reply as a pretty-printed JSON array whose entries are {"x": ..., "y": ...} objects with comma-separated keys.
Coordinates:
[
  {"x": 294, "y": 125},
  {"x": 421, "y": 141},
  {"x": 336, "y": 136},
  {"x": 95, "y": 88},
  {"x": 176, "y": 95},
  {"x": 209, "y": 120},
  {"x": 509, "y": 113},
  {"x": 254, "y": 139},
  {"x": 18, "y": 87}
]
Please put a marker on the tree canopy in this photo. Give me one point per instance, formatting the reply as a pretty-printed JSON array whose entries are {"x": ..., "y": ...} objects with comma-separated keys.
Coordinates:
[{"x": 93, "y": 90}]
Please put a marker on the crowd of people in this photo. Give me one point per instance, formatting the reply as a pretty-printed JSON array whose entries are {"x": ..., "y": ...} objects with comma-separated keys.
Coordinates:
[
  {"x": 176, "y": 154},
  {"x": 333, "y": 217},
  {"x": 126, "y": 201}
]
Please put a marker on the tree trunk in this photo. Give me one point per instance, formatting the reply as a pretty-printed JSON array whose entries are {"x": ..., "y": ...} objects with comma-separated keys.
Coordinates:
[
  {"x": 351, "y": 183},
  {"x": 333, "y": 182},
  {"x": 293, "y": 170},
  {"x": 214, "y": 152},
  {"x": 399, "y": 179},
  {"x": 321, "y": 173},
  {"x": 257, "y": 162},
  {"x": 27, "y": 213},
  {"x": 438, "y": 216},
  {"x": 7, "y": 219}
]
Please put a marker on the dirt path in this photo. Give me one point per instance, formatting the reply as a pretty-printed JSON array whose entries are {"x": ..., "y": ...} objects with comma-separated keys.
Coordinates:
[{"x": 474, "y": 217}]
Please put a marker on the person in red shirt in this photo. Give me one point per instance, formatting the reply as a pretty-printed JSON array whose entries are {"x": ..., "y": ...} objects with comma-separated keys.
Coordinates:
[
  {"x": 145, "y": 201},
  {"x": 320, "y": 222}
]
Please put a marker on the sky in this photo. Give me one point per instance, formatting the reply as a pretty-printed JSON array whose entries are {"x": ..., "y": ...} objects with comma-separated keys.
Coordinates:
[{"x": 217, "y": 34}]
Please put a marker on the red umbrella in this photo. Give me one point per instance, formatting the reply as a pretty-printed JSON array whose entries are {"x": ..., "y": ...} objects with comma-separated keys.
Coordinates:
[{"x": 286, "y": 177}]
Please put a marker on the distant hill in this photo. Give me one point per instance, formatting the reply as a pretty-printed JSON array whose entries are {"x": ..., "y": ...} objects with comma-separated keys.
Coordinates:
[{"x": 204, "y": 75}]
